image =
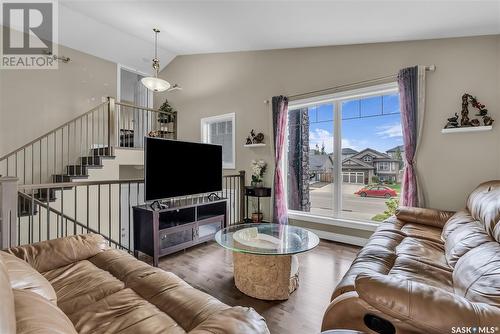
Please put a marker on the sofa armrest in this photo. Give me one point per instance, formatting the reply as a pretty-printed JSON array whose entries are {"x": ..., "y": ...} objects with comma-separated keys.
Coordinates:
[
  {"x": 431, "y": 217},
  {"x": 234, "y": 320},
  {"x": 51, "y": 254},
  {"x": 428, "y": 308}
]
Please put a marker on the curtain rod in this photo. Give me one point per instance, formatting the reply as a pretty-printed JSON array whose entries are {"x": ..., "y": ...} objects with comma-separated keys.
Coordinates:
[{"x": 430, "y": 68}]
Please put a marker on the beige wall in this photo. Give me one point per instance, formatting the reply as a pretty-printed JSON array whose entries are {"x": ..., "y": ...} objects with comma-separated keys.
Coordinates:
[
  {"x": 450, "y": 165},
  {"x": 33, "y": 102}
]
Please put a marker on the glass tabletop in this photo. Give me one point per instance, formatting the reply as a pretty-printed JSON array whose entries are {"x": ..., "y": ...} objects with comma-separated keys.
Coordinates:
[{"x": 266, "y": 239}]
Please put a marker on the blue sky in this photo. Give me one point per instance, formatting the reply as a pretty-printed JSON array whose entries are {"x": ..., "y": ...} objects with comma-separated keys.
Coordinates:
[{"x": 381, "y": 132}]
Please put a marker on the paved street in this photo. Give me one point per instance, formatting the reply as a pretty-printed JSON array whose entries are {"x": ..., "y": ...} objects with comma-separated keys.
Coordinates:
[{"x": 353, "y": 206}]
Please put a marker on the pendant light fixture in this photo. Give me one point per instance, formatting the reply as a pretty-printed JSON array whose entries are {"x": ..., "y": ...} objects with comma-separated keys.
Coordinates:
[{"x": 154, "y": 83}]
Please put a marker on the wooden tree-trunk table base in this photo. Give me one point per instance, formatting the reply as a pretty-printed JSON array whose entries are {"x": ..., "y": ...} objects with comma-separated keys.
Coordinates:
[{"x": 267, "y": 277}]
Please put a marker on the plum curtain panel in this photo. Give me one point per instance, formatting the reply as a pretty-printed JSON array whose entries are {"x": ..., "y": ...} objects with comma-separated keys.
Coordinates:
[
  {"x": 280, "y": 110},
  {"x": 411, "y": 83}
]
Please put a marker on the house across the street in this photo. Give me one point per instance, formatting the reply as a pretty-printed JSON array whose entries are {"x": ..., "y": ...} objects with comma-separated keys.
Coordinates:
[{"x": 359, "y": 167}]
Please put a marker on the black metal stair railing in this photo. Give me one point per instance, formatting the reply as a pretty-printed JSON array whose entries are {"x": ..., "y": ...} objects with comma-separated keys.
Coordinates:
[
  {"x": 103, "y": 207},
  {"x": 54, "y": 210}
]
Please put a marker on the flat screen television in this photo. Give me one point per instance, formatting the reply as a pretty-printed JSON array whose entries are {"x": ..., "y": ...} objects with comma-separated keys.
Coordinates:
[{"x": 176, "y": 168}]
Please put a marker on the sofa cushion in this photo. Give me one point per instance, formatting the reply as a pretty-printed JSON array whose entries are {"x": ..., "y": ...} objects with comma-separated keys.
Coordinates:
[
  {"x": 7, "y": 310},
  {"x": 426, "y": 309},
  {"x": 404, "y": 249},
  {"x": 423, "y": 216},
  {"x": 477, "y": 274},
  {"x": 123, "y": 312},
  {"x": 423, "y": 250},
  {"x": 233, "y": 320},
  {"x": 412, "y": 269},
  {"x": 80, "y": 284},
  {"x": 121, "y": 264},
  {"x": 37, "y": 315},
  {"x": 459, "y": 219},
  {"x": 51, "y": 254},
  {"x": 422, "y": 232},
  {"x": 187, "y": 306},
  {"x": 484, "y": 205},
  {"x": 463, "y": 239},
  {"x": 23, "y": 277}
]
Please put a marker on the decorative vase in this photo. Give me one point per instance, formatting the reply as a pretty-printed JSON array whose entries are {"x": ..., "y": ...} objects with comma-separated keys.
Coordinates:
[
  {"x": 257, "y": 184},
  {"x": 257, "y": 217}
]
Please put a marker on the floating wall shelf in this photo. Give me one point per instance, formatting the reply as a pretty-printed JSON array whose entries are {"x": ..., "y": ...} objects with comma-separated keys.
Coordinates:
[
  {"x": 468, "y": 129},
  {"x": 255, "y": 145}
]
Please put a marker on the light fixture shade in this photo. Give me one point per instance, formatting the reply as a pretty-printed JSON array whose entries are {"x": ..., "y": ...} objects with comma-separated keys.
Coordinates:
[{"x": 155, "y": 84}]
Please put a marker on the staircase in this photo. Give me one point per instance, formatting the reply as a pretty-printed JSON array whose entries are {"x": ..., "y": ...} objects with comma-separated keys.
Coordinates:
[
  {"x": 72, "y": 172},
  {"x": 80, "y": 171},
  {"x": 60, "y": 182},
  {"x": 68, "y": 152}
]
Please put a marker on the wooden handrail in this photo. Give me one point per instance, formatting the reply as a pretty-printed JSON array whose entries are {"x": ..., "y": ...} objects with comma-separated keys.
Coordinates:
[{"x": 144, "y": 108}]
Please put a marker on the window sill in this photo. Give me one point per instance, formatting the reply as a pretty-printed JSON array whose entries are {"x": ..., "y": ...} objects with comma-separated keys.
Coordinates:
[{"x": 335, "y": 221}]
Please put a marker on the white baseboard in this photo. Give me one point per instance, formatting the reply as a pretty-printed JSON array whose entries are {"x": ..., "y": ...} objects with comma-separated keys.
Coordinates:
[{"x": 346, "y": 239}]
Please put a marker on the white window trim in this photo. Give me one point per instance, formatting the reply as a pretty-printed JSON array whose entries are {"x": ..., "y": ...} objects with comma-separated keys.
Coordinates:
[
  {"x": 204, "y": 122},
  {"x": 119, "y": 68},
  {"x": 337, "y": 99},
  {"x": 385, "y": 164}
]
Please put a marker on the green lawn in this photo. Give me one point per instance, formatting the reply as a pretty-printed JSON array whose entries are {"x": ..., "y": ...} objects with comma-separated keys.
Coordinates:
[
  {"x": 396, "y": 187},
  {"x": 390, "y": 208}
]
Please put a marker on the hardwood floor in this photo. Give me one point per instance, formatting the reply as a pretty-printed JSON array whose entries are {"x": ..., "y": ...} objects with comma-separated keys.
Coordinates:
[{"x": 208, "y": 267}]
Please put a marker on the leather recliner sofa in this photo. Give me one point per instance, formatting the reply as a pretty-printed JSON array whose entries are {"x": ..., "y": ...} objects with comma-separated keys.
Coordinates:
[
  {"x": 78, "y": 285},
  {"x": 426, "y": 271}
]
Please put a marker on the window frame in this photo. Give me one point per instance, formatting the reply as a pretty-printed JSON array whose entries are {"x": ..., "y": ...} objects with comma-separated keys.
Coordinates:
[
  {"x": 386, "y": 164},
  {"x": 205, "y": 123},
  {"x": 337, "y": 99},
  {"x": 119, "y": 68}
]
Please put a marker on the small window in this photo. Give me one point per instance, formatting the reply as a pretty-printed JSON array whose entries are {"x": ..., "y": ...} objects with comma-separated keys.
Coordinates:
[
  {"x": 384, "y": 165},
  {"x": 220, "y": 130},
  {"x": 367, "y": 158}
]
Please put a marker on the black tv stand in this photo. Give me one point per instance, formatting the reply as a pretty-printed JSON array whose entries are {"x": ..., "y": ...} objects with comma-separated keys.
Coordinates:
[{"x": 164, "y": 228}]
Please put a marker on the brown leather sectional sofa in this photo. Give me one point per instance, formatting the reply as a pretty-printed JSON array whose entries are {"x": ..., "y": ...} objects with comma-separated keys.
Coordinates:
[
  {"x": 78, "y": 285},
  {"x": 426, "y": 271}
]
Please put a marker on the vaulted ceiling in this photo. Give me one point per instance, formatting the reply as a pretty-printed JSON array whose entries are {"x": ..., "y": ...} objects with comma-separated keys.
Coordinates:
[{"x": 122, "y": 30}]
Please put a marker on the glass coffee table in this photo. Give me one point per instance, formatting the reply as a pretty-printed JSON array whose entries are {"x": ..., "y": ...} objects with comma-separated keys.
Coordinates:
[{"x": 265, "y": 265}]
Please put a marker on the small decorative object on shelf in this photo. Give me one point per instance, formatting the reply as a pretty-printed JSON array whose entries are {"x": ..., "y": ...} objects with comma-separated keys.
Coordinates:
[
  {"x": 474, "y": 122},
  {"x": 465, "y": 121},
  {"x": 154, "y": 134},
  {"x": 255, "y": 138},
  {"x": 452, "y": 122},
  {"x": 166, "y": 107},
  {"x": 258, "y": 170},
  {"x": 465, "y": 111}
]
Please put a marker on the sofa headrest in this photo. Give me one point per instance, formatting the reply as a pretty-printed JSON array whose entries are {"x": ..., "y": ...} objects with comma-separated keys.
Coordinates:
[
  {"x": 7, "y": 310},
  {"x": 35, "y": 314},
  {"x": 484, "y": 205},
  {"x": 23, "y": 277},
  {"x": 51, "y": 254}
]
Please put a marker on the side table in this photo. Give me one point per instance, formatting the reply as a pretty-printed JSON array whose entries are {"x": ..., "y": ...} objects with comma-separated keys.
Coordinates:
[{"x": 258, "y": 192}]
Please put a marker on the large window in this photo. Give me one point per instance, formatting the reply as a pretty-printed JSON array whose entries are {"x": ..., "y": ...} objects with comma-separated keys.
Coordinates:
[
  {"x": 344, "y": 154},
  {"x": 219, "y": 130}
]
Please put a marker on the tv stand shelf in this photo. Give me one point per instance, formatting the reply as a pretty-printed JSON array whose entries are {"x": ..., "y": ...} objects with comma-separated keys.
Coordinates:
[{"x": 177, "y": 225}]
